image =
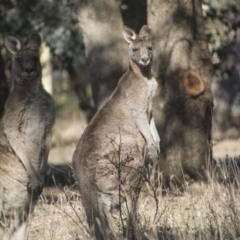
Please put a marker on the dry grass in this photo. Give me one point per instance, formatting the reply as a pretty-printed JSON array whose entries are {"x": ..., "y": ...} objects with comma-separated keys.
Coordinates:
[
  {"x": 203, "y": 212},
  {"x": 58, "y": 216}
]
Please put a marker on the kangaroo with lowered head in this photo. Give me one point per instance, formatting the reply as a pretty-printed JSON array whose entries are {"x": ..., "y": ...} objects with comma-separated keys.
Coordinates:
[
  {"x": 108, "y": 162},
  {"x": 25, "y": 138}
]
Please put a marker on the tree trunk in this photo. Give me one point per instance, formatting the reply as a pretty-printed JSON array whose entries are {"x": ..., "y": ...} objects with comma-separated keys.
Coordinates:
[
  {"x": 105, "y": 48},
  {"x": 226, "y": 91},
  {"x": 134, "y": 13},
  {"x": 4, "y": 91},
  {"x": 183, "y": 106},
  {"x": 80, "y": 86}
]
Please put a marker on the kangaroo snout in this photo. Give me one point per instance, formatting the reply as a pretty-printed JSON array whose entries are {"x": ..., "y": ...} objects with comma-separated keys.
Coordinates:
[
  {"x": 28, "y": 73},
  {"x": 144, "y": 61},
  {"x": 28, "y": 69}
]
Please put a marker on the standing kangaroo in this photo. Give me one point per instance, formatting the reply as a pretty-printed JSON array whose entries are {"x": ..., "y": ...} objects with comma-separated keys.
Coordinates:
[
  {"x": 25, "y": 138},
  {"x": 108, "y": 162}
]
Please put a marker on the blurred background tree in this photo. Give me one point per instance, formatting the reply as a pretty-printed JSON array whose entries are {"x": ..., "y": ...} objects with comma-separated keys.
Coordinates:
[
  {"x": 57, "y": 22},
  {"x": 223, "y": 30}
]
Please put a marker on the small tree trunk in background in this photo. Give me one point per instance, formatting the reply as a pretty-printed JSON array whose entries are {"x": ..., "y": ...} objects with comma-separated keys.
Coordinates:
[
  {"x": 79, "y": 86},
  {"x": 134, "y": 13},
  {"x": 106, "y": 51},
  {"x": 183, "y": 106},
  {"x": 4, "y": 91},
  {"x": 226, "y": 91}
]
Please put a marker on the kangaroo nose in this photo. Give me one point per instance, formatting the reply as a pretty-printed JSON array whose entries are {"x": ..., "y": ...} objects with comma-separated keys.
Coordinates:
[
  {"x": 28, "y": 70},
  {"x": 28, "y": 66},
  {"x": 145, "y": 59}
]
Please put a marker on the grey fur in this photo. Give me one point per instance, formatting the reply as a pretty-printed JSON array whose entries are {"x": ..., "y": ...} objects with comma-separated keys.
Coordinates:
[
  {"x": 108, "y": 162},
  {"x": 25, "y": 138}
]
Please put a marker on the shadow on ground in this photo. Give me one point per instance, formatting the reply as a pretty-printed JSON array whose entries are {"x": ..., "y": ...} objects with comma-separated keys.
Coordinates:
[{"x": 59, "y": 176}]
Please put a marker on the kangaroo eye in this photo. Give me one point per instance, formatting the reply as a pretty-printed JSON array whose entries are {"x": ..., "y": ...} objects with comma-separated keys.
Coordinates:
[
  {"x": 150, "y": 48},
  {"x": 134, "y": 49},
  {"x": 18, "y": 59}
]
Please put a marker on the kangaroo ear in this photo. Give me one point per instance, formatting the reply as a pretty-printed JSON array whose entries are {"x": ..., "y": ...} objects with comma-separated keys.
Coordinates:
[
  {"x": 145, "y": 33},
  {"x": 129, "y": 34},
  {"x": 193, "y": 83},
  {"x": 12, "y": 43},
  {"x": 34, "y": 42}
]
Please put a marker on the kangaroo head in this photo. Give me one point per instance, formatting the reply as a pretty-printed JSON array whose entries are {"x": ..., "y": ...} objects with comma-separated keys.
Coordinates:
[
  {"x": 140, "y": 46},
  {"x": 26, "y": 66}
]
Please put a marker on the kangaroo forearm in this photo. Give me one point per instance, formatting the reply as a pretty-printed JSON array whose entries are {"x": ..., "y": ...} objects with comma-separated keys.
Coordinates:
[
  {"x": 43, "y": 166},
  {"x": 44, "y": 159},
  {"x": 154, "y": 131},
  {"x": 24, "y": 160},
  {"x": 29, "y": 168},
  {"x": 144, "y": 128}
]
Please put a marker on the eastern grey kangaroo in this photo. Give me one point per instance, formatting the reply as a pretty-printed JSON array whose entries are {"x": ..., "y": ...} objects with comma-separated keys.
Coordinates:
[
  {"x": 25, "y": 138},
  {"x": 108, "y": 162}
]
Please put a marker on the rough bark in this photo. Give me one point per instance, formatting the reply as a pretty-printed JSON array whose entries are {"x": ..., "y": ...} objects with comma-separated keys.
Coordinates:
[
  {"x": 106, "y": 51},
  {"x": 183, "y": 118},
  {"x": 4, "y": 91}
]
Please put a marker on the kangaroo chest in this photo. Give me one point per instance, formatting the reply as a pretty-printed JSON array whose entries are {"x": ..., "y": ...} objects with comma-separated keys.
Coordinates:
[
  {"x": 151, "y": 91},
  {"x": 25, "y": 123}
]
